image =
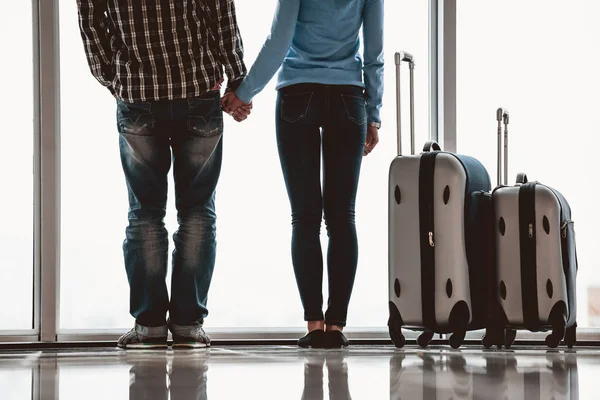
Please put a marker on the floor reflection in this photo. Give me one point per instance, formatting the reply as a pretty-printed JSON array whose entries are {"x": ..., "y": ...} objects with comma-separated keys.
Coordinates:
[
  {"x": 487, "y": 375},
  {"x": 337, "y": 374},
  {"x": 182, "y": 378},
  {"x": 285, "y": 372}
]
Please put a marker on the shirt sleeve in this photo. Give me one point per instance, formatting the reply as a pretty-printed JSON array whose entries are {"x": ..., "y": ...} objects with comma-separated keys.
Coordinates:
[
  {"x": 373, "y": 58},
  {"x": 273, "y": 51},
  {"x": 93, "y": 26},
  {"x": 231, "y": 47}
]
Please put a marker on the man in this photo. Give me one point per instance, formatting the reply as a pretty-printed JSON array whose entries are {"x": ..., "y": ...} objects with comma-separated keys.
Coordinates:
[{"x": 163, "y": 61}]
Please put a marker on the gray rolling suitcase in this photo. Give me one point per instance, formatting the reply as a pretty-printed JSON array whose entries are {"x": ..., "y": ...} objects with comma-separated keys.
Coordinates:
[
  {"x": 536, "y": 261},
  {"x": 439, "y": 203}
]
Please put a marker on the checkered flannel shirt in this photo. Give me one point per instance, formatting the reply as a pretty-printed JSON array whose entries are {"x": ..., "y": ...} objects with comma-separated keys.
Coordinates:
[{"x": 146, "y": 50}]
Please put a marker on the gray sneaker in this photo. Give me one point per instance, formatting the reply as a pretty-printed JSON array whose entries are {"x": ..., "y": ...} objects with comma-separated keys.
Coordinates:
[
  {"x": 143, "y": 337},
  {"x": 189, "y": 336}
]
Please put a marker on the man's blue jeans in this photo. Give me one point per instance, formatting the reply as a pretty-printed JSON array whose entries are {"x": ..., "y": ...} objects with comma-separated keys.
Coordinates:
[{"x": 187, "y": 133}]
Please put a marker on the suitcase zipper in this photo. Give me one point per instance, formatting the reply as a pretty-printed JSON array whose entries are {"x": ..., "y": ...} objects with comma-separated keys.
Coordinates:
[
  {"x": 564, "y": 227},
  {"x": 430, "y": 235},
  {"x": 527, "y": 233},
  {"x": 427, "y": 242}
]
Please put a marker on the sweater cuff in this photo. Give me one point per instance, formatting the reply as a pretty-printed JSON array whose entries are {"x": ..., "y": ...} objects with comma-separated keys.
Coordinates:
[
  {"x": 243, "y": 93},
  {"x": 373, "y": 114}
]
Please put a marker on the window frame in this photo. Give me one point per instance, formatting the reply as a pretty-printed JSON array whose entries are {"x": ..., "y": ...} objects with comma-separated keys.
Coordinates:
[{"x": 47, "y": 189}]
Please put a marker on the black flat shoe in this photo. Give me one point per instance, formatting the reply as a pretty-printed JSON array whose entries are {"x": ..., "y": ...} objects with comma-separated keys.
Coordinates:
[
  {"x": 335, "y": 340},
  {"x": 314, "y": 339}
]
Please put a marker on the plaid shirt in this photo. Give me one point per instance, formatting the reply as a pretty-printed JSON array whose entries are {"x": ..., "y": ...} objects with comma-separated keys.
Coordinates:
[{"x": 146, "y": 50}]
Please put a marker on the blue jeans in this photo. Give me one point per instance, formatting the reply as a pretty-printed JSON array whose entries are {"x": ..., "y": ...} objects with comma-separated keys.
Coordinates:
[
  {"x": 315, "y": 121},
  {"x": 187, "y": 133}
]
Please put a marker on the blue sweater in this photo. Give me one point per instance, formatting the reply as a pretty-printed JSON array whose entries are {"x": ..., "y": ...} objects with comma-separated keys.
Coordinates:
[{"x": 318, "y": 42}]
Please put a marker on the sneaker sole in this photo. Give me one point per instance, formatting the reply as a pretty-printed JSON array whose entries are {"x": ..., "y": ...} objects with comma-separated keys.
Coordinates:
[
  {"x": 144, "y": 346},
  {"x": 190, "y": 345}
]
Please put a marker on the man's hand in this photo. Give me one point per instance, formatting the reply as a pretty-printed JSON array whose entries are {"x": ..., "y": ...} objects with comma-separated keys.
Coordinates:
[
  {"x": 235, "y": 107},
  {"x": 372, "y": 139}
]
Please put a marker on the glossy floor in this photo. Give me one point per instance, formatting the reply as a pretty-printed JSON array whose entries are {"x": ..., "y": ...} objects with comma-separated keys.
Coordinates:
[{"x": 286, "y": 372}]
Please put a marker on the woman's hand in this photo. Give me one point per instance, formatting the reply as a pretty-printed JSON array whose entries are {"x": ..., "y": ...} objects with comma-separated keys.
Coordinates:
[
  {"x": 372, "y": 139},
  {"x": 235, "y": 107}
]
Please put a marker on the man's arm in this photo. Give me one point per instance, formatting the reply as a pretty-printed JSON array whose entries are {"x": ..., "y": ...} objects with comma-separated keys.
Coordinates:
[
  {"x": 373, "y": 58},
  {"x": 93, "y": 25},
  {"x": 273, "y": 51},
  {"x": 229, "y": 39}
]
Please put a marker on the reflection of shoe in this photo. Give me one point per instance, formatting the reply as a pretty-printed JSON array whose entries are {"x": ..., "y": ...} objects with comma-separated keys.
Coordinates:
[
  {"x": 143, "y": 337},
  {"x": 189, "y": 337},
  {"x": 335, "y": 340},
  {"x": 312, "y": 339}
]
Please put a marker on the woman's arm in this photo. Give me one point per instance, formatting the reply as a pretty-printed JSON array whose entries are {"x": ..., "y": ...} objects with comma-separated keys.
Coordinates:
[
  {"x": 373, "y": 58},
  {"x": 273, "y": 51}
]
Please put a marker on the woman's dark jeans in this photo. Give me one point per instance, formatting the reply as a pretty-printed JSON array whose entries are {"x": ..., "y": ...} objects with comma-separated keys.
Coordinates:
[{"x": 327, "y": 122}]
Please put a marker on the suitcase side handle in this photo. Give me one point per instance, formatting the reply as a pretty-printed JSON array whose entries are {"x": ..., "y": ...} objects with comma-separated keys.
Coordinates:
[{"x": 399, "y": 58}]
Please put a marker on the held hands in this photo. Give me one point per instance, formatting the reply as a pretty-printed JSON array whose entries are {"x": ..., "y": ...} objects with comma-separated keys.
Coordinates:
[
  {"x": 233, "y": 106},
  {"x": 239, "y": 110},
  {"x": 372, "y": 139}
]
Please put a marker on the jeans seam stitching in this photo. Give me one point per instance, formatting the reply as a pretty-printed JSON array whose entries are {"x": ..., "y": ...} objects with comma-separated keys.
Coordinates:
[
  {"x": 305, "y": 111},
  {"x": 363, "y": 120}
]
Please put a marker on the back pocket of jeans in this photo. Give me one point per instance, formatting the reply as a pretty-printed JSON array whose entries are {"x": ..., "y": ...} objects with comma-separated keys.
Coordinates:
[
  {"x": 356, "y": 108},
  {"x": 294, "y": 106},
  {"x": 205, "y": 116},
  {"x": 135, "y": 118}
]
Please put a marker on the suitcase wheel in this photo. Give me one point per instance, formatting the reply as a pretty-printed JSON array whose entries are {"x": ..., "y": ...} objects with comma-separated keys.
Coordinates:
[
  {"x": 456, "y": 340},
  {"x": 395, "y": 326},
  {"x": 553, "y": 340},
  {"x": 558, "y": 321},
  {"x": 488, "y": 341},
  {"x": 509, "y": 338},
  {"x": 424, "y": 339},
  {"x": 397, "y": 337},
  {"x": 571, "y": 336}
]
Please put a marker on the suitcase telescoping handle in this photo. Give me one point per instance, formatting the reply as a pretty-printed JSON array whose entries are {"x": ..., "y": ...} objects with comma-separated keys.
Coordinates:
[
  {"x": 502, "y": 117},
  {"x": 399, "y": 58}
]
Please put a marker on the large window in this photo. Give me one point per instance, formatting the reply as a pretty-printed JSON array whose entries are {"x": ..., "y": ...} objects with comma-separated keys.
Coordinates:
[
  {"x": 16, "y": 170},
  {"x": 253, "y": 283},
  {"x": 538, "y": 60}
]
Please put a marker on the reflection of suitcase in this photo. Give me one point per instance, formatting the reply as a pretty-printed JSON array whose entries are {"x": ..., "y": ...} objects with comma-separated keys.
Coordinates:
[
  {"x": 536, "y": 262},
  {"x": 533, "y": 378},
  {"x": 438, "y": 208},
  {"x": 430, "y": 377},
  {"x": 459, "y": 376}
]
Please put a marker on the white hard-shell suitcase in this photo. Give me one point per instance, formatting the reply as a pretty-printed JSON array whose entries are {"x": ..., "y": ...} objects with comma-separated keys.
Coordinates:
[
  {"x": 536, "y": 261},
  {"x": 439, "y": 206}
]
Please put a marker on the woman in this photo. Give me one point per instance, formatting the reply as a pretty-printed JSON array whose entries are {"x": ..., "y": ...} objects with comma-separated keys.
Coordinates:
[{"x": 322, "y": 103}]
